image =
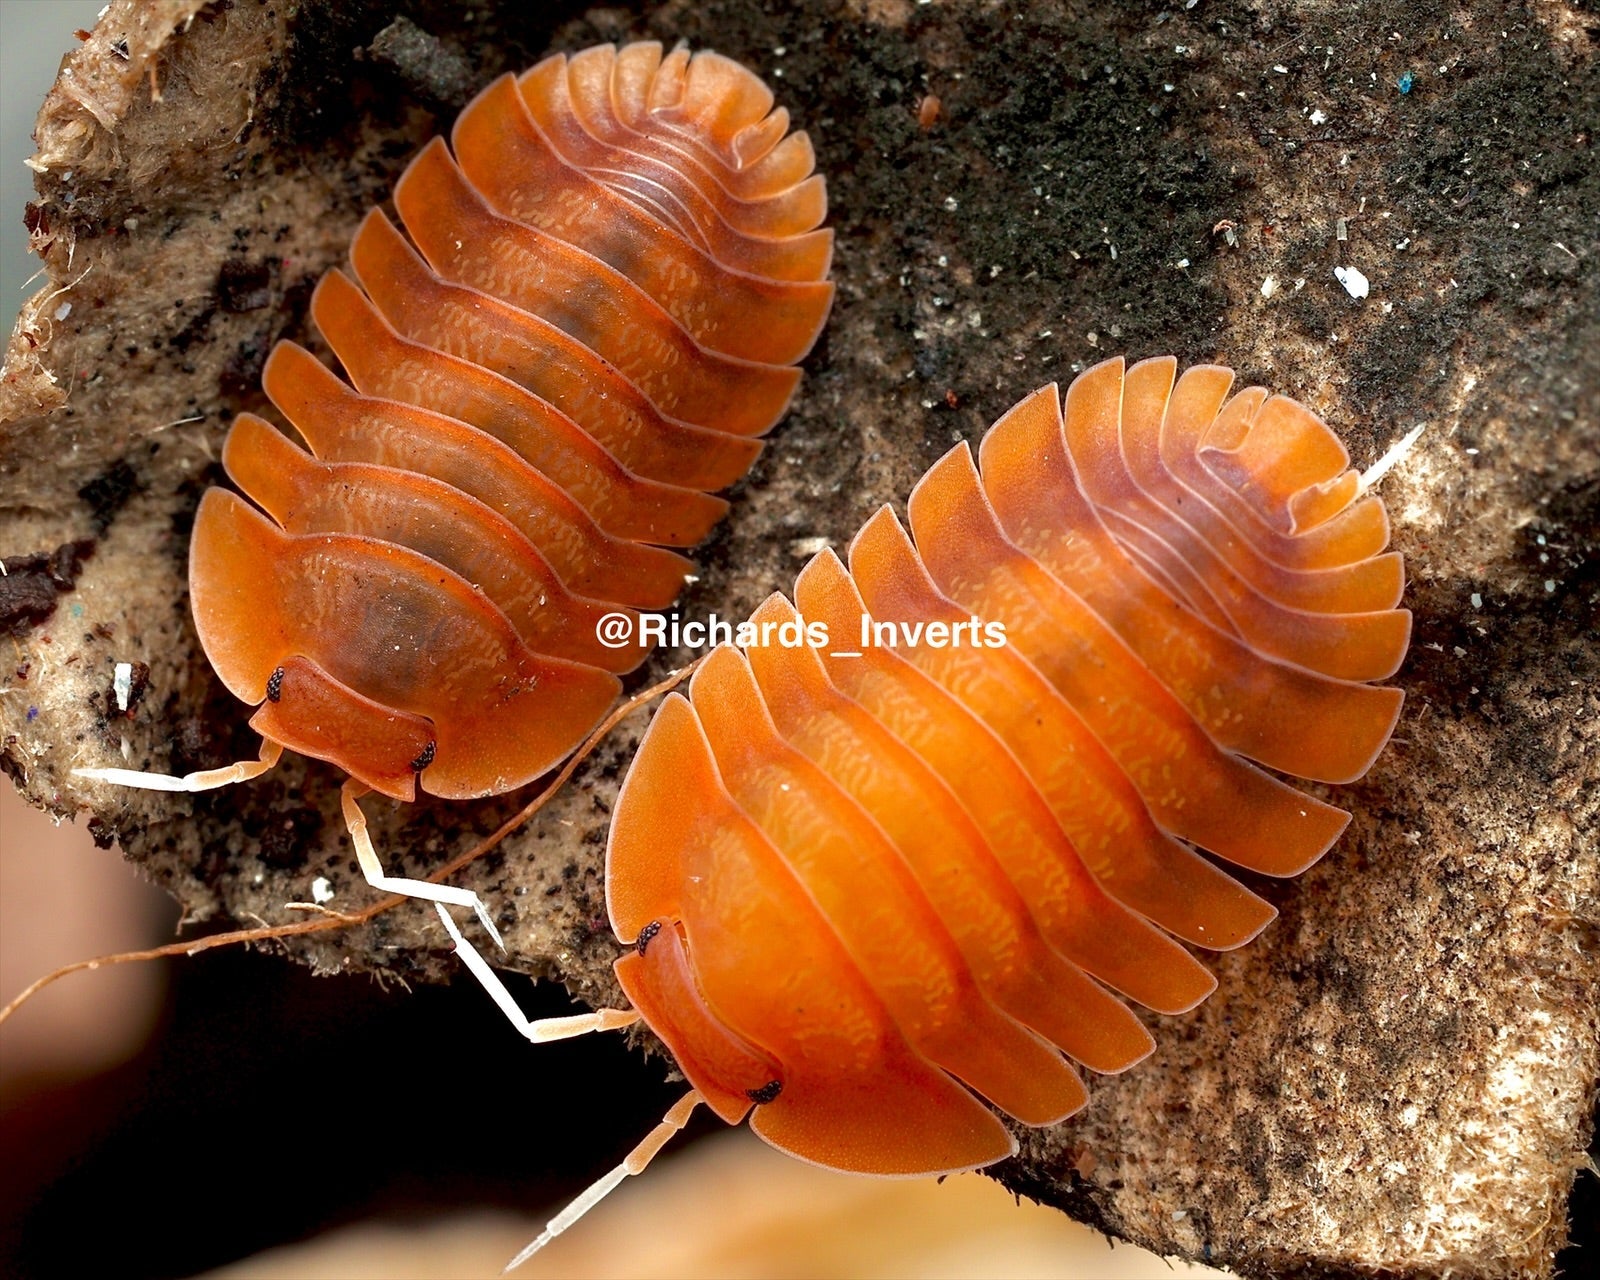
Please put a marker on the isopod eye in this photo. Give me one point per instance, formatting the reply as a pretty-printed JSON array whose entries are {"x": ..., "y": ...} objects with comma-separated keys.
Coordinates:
[
  {"x": 727, "y": 1069},
  {"x": 317, "y": 715},
  {"x": 1160, "y": 629},
  {"x": 578, "y": 336}
]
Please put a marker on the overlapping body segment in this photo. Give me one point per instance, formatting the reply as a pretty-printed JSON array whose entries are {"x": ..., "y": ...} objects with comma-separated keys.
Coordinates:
[
  {"x": 987, "y": 831},
  {"x": 544, "y": 399}
]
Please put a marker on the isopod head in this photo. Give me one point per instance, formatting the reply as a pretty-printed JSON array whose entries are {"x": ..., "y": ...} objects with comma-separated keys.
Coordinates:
[
  {"x": 594, "y": 310},
  {"x": 922, "y": 872}
]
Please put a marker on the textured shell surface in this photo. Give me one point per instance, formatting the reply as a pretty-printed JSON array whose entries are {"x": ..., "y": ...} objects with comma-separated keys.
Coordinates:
[
  {"x": 952, "y": 849},
  {"x": 594, "y": 309}
]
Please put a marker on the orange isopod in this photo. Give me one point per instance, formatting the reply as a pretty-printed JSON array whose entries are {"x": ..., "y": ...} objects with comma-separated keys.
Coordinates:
[
  {"x": 870, "y": 882},
  {"x": 597, "y": 306}
]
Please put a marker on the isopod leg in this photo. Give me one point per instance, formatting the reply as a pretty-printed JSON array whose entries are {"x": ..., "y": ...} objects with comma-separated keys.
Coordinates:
[
  {"x": 204, "y": 780},
  {"x": 636, "y": 1162},
  {"x": 356, "y": 823},
  {"x": 544, "y": 1030}
]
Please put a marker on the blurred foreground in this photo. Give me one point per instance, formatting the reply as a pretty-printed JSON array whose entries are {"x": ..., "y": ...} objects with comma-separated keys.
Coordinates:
[
  {"x": 733, "y": 1207},
  {"x": 120, "y": 1099}
]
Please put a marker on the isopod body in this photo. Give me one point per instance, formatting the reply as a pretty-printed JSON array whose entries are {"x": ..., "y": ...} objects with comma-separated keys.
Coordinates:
[
  {"x": 870, "y": 883},
  {"x": 607, "y": 280}
]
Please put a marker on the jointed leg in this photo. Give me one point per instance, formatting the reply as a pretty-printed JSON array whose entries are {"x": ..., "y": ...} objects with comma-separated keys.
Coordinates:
[
  {"x": 544, "y": 1030},
  {"x": 356, "y": 822}
]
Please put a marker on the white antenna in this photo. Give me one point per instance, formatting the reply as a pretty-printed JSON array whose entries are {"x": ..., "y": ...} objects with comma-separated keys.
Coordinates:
[
  {"x": 636, "y": 1162},
  {"x": 1394, "y": 457}
]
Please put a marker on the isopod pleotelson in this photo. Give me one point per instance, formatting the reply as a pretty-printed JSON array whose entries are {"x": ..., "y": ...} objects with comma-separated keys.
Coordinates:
[
  {"x": 603, "y": 287},
  {"x": 868, "y": 884}
]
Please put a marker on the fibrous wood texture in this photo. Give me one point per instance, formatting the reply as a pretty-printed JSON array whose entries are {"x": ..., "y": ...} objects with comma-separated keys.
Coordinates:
[{"x": 1398, "y": 1075}]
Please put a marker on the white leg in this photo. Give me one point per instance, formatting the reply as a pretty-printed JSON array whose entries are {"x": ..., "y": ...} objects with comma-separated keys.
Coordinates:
[
  {"x": 545, "y": 1030},
  {"x": 205, "y": 780},
  {"x": 636, "y": 1162},
  {"x": 356, "y": 822}
]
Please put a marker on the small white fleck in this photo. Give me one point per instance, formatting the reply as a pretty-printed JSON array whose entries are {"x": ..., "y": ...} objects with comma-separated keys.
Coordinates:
[
  {"x": 951, "y": 204},
  {"x": 1319, "y": 116},
  {"x": 780, "y": 51},
  {"x": 1281, "y": 69},
  {"x": 1539, "y": 538},
  {"x": 1477, "y": 600},
  {"x": 321, "y": 891},
  {"x": 1183, "y": 262},
  {"x": 63, "y": 311},
  {"x": 1458, "y": 651},
  {"x": 1168, "y": 88},
  {"x": 1341, "y": 229},
  {"x": 1094, "y": 338},
  {"x": 1549, "y": 586},
  {"x": 122, "y": 683},
  {"x": 1269, "y": 286},
  {"x": 1355, "y": 284}
]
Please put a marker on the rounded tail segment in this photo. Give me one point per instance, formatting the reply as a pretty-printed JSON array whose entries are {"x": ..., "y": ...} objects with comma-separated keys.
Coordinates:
[
  {"x": 983, "y": 792},
  {"x": 590, "y": 312}
]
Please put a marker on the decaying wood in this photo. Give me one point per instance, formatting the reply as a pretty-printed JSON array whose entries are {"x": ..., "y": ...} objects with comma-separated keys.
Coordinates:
[{"x": 1399, "y": 1074}]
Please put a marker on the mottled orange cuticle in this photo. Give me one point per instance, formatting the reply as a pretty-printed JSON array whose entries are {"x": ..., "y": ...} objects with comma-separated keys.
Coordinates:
[
  {"x": 594, "y": 309},
  {"x": 906, "y": 879}
]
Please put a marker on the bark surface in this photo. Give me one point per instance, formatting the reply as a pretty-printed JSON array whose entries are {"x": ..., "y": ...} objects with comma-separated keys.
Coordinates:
[{"x": 1399, "y": 1074}]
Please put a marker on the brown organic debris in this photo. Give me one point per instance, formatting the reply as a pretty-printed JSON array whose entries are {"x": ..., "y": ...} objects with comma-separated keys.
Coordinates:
[{"x": 1398, "y": 1076}]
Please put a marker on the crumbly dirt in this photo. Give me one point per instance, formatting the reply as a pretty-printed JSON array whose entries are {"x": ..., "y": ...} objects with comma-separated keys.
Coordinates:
[{"x": 1399, "y": 1075}]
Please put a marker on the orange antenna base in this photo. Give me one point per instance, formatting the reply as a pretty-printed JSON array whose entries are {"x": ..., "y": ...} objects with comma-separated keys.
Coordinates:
[{"x": 636, "y": 1162}]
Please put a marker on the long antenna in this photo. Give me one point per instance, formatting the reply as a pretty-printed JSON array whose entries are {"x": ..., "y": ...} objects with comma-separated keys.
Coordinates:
[{"x": 636, "y": 1162}]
